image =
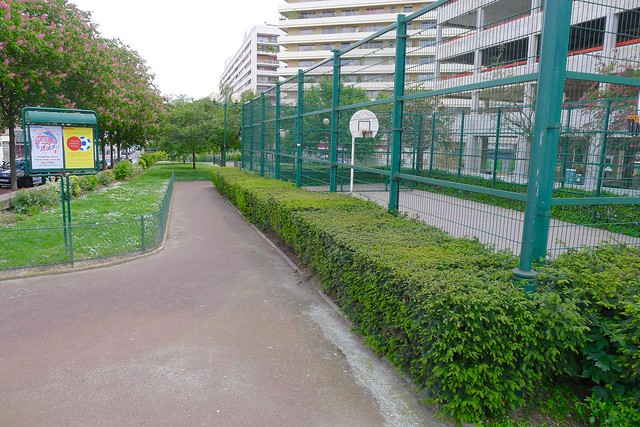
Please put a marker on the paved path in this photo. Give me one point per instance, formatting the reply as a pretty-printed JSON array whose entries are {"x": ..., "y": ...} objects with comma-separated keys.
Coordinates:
[{"x": 215, "y": 329}]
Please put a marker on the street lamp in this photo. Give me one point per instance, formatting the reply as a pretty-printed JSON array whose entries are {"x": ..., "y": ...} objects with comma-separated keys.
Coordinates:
[{"x": 217, "y": 99}]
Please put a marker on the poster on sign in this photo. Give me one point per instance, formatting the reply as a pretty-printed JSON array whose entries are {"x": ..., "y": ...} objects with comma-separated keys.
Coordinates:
[
  {"x": 79, "y": 149},
  {"x": 46, "y": 147}
]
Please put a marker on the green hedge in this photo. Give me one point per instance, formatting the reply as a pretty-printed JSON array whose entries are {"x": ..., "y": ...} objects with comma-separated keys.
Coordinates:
[{"x": 442, "y": 309}]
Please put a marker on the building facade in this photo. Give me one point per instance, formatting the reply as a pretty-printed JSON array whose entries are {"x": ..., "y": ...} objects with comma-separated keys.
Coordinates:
[
  {"x": 255, "y": 64},
  {"x": 313, "y": 29}
]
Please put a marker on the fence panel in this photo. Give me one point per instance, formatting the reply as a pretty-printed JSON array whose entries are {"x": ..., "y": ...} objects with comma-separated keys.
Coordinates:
[{"x": 473, "y": 107}]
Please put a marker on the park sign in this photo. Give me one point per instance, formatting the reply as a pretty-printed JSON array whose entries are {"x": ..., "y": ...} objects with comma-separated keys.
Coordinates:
[{"x": 59, "y": 141}]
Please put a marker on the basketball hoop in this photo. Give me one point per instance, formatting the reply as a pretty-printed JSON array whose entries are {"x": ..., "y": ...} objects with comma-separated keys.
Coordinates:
[{"x": 367, "y": 134}]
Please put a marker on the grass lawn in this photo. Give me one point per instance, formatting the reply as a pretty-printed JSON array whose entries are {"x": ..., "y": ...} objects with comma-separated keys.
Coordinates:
[{"x": 114, "y": 220}]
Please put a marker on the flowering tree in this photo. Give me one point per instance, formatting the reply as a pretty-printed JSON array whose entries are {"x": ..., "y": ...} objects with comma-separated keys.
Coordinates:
[
  {"x": 128, "y": 103},
  {"x": 40, "y": 44},
  {"x": 51, "y": 55}
]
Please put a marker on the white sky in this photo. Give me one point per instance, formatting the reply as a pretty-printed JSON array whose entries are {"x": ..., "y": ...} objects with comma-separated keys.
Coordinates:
[{"x": 184, "y": 42}]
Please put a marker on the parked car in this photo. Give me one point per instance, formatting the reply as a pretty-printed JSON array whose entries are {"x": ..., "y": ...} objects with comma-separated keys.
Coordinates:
[{"x": 23, "y": 179}]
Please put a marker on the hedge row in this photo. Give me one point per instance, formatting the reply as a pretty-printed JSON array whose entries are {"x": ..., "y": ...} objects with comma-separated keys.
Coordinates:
[{"x": 442, "y": 309}]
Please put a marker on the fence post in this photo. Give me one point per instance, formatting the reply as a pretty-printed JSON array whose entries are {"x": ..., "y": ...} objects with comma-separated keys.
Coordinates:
[
  {"x": 496, "y": 152},
  {"x": 398, "y": 106},
  {"x": 262, "y": 130},
  {"x": 142, "y": 232},
  {"x": 461, "y": 148},
  {"x": 244, "y": 134},
  {"x": 433, "y": 141},
  {"x": 300, "y": 130},
  {"x": 603, "y": 151},
  {"x": 335, "y": 124},
  {"x": 251, "y": 134},
  {"x": 546, "y": 131},
  {"x": 277, "y": 135}
]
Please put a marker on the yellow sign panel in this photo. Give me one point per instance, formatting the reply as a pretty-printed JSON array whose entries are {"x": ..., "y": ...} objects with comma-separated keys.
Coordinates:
[{"x": 79, "y": 148}]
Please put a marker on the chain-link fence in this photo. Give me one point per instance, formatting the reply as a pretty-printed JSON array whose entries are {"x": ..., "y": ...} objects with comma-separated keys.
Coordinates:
[
  {"x": 83, "y": 243},
  {"x": 512, "y": 121}
]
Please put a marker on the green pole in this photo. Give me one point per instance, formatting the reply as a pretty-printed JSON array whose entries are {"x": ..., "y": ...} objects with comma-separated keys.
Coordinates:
[
  {"x": 565, "y": 147},
  {"x": 335, "y": 117},
  {"x": 461, "y": 148},
  {"x": 433, "y": 140},
  {"x": 603, "y": 151},
  {"x": 496, "y": 151},
  {"x": 69, "y": 225},
  {"x": 398, "y": 107},
  {"x": 142, "y": 232},
  {"x": 223, "y": 155},
  {"x": 544, "y": 147},
  {"x": 262, "y": 131},
  {"x": 300, "y": 130},
  {"x": 277, "y": 135},
  {"x": 251, "y": 134},
  {"x": 63, "y": 201},
  {"x": 244, "y": 134}
]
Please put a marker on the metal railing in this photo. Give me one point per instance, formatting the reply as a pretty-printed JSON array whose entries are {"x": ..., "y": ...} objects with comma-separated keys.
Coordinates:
[
  {"x": 513, "y": 122},
  {"x": 84, "y": 243}
]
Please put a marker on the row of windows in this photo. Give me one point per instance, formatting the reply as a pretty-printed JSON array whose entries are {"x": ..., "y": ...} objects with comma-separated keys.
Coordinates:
[
  {"x": 370, "y": 28},
  {"x": 354, "y": 12}
]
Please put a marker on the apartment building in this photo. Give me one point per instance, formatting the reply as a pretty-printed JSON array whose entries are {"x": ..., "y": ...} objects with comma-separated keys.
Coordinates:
[
  {"x": 255, "y": 64},
  {"x": 314, "y": 28},
  {"x": 501, "y": 38}
]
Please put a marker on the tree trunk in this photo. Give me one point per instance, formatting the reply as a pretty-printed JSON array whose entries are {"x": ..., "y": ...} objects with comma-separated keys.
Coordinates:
[
  {"x": 193, "y": 158},
  {"x": 12, "y": 156},
  {"x": 103, "y": 151}
]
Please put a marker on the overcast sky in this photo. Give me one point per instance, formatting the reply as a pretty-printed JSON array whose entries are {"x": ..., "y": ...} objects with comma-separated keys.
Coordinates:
[{"x": 184, "y": 42}]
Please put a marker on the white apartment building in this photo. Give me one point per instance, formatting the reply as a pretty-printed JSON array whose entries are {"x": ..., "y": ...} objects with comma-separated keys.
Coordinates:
[
  {"x": 314, "y": 28},
  {"x": 255, "y": 64}
]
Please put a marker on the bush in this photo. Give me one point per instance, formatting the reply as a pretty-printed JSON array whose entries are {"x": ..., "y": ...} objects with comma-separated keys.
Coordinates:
[
  {"x": 442, "y": 309},
  {"x": 33, "y": 201},
  {"x": 151, "y": 159},
  {"x": 123, "y": 170},
  {"x": 105, "y": 177},
  {"x": 88, "y": 182},
  {"x": 142, "y": 163},
  {"x": 74, "y": 186}
]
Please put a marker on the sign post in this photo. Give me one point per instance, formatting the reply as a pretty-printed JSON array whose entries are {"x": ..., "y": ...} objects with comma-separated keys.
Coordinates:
[
  {"x": 363, "y": 124},
  {"x": 61, "y": 142}
]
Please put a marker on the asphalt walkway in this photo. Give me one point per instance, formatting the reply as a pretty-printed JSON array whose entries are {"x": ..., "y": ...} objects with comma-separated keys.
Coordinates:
[{"x": 214, "y": 329}]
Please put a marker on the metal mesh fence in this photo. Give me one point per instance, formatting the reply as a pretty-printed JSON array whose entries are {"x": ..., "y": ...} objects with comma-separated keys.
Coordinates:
[
  {"x": 511, "y": 121},
  {"x": 81, "y": 243}
]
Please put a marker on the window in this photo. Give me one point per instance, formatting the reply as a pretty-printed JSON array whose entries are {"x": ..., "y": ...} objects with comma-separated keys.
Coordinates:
[
  {"x": 587, "y": 35},
  {"x": 328, "y": 46},
  {"x": 350, "y": 12},
  {"x": 374, "y": 27},
  {"x": 307, "y": 31},
  {"x": 351, "y": 29},
  {"x": 306, "y": 63},
  {"x": 427, "y": 25},
  {"x": 628, "y": 26},
  {"x": 328, "y": 14},
  {"x": 373, "y": 45},
  {"x": 306, "y": 47},
  {"x": 307, "y": 15},
  {"x": 329, "y": 30},
  {"x": 427, "y": 42},
  {"x": 374, "y": 10},
  {"x": 408, "y": 9}
]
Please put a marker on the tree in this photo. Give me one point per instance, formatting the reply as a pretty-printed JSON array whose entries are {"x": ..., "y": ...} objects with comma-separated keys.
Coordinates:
[
  {"x": 41, "y": 43},
  {"x": 190, "y": 127}
]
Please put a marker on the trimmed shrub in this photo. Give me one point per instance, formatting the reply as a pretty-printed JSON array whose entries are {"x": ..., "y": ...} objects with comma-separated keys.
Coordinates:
[
  {"x": 88, "y": 182},
  {"x": 74, "y": 186},
  {"x": 123, "y": 170},
  {"x": 105, "y": 177},
  {"x": 33, "y": 201},
  {"x": 442, "y": 309}
]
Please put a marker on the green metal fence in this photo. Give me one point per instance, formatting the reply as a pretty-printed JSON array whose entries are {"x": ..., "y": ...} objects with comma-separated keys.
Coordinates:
[
  {"x": 512, "y": 121},
  {"x": 84, "y": 243}
]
